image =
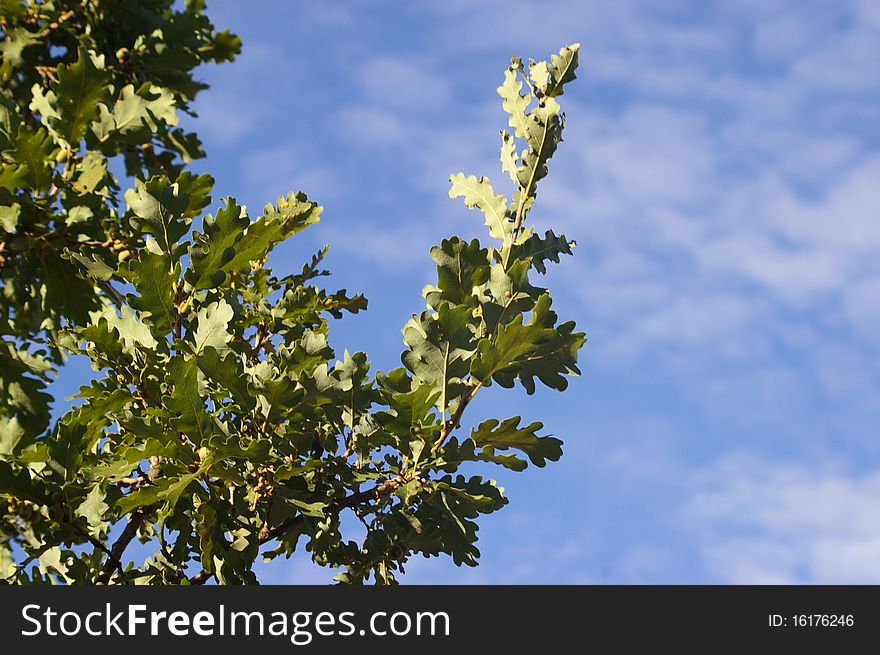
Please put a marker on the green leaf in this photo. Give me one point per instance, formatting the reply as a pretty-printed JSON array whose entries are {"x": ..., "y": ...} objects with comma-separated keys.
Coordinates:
[
  {"x": 503, "y": 354},
  {"x": 9, "y": 217},
  {"x": 472, "y": 495},
  {"x": 409, "y": 412},
  {"x": 68, "y": 447},
  {"x": 12, "y": 434},
  {"x": 197, "y": 189},
  {"x": 212, "y": 327},
  {"x": 277, "y": 397},
  {"x": 509, "y": 156},
  {"x": 554, "y": 358},
  {"x": 92, "y": 173},
  {"x": 515, "y": 103},
  {"x": 13, "y": 44},
  {"x": 316, "y": 509},
  {"x": 80, "y": 87},
  {"x": 129, "y": 458},
  {"x": 461, "y": 267},
  {"x": 13, "y": 176},
  {"x": 439, "y": 349},
  {"x": 103, "y": 401},
  {"x": 212, "y": 541},
  {"x": 19, "y": 484},
  {"x": 480, "y": 194},
  {"x": 10, "y": 120},
  {"x": 561, "y": 72},
  {"x": 93, "y": 509},
  {"x": 33, "y": 150},
  {"x": 186, "y": 402},
  {"x": 494, "y": 436},
  {"x": 226, "y": 372},
  {"x": 164, "y": 489},
  {"x": 93, "y": 267},
  {"x": 287, "y": 471},
  {"x": 294, "y": 212},
  {"x": 35, "y": 453},
  {"x": 454, "y": 453},
  {"x": 214, "y": 253},
  {"x": 66, "y": 292},
  {"x": 256, "y": 450},
  {"x": 544, "y": 132},
  {"x": 132, "y": 331},
  {"x": 136, "y": 114},
  {"x": 539, "y": 74},
  {"x": 154, "y": 275},
  {"x": 510, "y": 293},
  {"x": 158, "y": 208},
  {"x": 541, "y": 250},
  {"x": 13, "y": 8},
  {"x": 103, "y": 338}
]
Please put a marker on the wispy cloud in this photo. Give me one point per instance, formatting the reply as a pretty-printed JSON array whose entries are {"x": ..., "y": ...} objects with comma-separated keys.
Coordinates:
[{"x": 760, "y": 522}]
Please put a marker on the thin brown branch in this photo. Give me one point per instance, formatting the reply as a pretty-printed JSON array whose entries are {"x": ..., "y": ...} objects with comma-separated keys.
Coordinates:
[
  {"x": 114, "y": 559},
  {"x": 112, "y": 293},
  {"x": 132, "y": 482},
  {"x": 450, "y": 425},
  {"x": 48, "y": 71},
  {"x": 135, "y": 520},
  {"x": 261, "y": 339},
  {"x": 280, "y": 529},
  {"x": 353, "y": 500},
  {"x": 201, "y": 577},
  {"x": 97, "y": 543},
  {"x": 385, "y": 488}
]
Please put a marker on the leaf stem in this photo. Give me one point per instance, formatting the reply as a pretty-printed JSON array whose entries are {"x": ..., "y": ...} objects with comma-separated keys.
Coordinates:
[{"x": 453, "y": 423}]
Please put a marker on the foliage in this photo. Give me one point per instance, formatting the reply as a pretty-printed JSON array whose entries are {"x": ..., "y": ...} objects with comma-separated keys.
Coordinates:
[{"x": 220, "y": 426}]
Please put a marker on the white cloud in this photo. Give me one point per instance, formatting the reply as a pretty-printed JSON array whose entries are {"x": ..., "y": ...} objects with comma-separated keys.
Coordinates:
[
  {"x": 243, "y": 97},
  {"x": 267, "y": 173},
  {"x": 395, "y": 249},
  {"x": 412, "y": 85},
  {"x": 759, "y": 521},
  {"x": 371, "y": 126},
  {"x": 861, "y": 303}
]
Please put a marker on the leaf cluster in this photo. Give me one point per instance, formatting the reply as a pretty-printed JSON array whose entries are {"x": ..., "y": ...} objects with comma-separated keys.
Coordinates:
[{"x": 221, "y": 427}]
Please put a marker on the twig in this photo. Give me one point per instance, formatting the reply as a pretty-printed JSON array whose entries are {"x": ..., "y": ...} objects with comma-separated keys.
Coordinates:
[
  {"x": 135, "y": 520},
  {"x": 350, "y": 501},
  {"x": 114, "y": 559},
  {"x": 132, "y": 482},
  {"x": 454, "y": 422},
  {"x": 260, "y": 340},
  {"x": 97, "y": 543},
  {"x": 48, "y": 71},
  {"x": 280, "y": 529},
  {"x": 114, "y": 295},
  {"x": 389, "y": 486},
  {"x": 201, "y": 577}
]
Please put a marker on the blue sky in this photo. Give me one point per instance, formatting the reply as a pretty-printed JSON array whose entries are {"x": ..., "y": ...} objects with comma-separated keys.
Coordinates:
[{"x": 721, "y": 174}]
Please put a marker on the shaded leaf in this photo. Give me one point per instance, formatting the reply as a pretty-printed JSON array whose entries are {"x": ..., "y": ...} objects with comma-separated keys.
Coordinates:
[{"x": 492, "y": 435}]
